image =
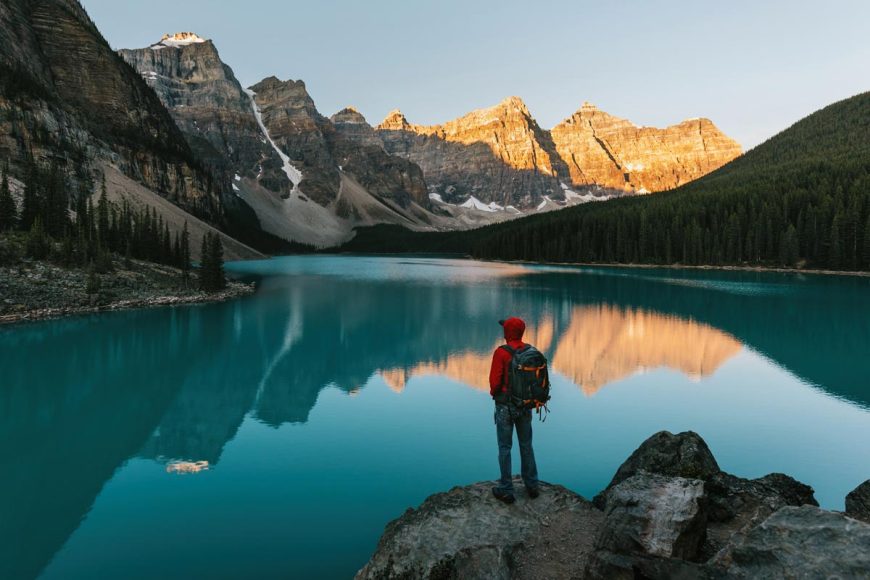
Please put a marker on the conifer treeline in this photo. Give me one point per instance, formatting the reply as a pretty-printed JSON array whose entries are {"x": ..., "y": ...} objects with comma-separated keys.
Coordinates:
[
  {"x": 819, "y": 218},
  {"x": 800, "y": 199},
  {"x": 81, "y": 232}
]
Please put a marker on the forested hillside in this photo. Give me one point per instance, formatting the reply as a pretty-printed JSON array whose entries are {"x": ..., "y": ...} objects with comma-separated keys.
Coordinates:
[{"x": 800, "y": 199}]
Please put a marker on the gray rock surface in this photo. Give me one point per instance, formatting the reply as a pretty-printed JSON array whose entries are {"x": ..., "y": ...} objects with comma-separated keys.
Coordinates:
[
  {"x": 210, "y": 106},
  {"x": 321, "y": 151},
  {"x": 858, "y": 502},
  {"x": 467, "y": 533},
  {"x": 656, "y": 515},
  {"x": 73, "y": 100},
  {"x": 736, "y": 505},
  {"x": 657, "y": 524},
  {"x": 800, "y": 542},
  {"x": 682, "y": 455}
]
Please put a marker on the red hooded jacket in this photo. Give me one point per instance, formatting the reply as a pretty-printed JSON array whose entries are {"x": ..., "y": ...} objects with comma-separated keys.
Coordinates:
[{"x": 514, "y": 328}]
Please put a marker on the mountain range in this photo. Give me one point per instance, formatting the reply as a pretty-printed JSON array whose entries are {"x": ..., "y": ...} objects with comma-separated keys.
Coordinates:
[
  {"x": 799, "y": 200},
  {"x": 314, "y": 179},
  {"x": 263, "y": 165}
]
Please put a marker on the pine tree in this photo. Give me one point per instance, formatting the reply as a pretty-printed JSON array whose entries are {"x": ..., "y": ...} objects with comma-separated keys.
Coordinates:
[
  {"x": 217, "y": 256},
  {"x": 211, "y": 275},
  {"x": 103, "y": 231},
  {"x": 8, "y": 209},
  {"x": 30, "y": 209},
  {"x": 835, "y": 251},
  {"x": 789, "y": 247},
  {"x": 185, "y": 254},
  {"x": 166, "y": 246},
  {"x": 205, "y": 266}
]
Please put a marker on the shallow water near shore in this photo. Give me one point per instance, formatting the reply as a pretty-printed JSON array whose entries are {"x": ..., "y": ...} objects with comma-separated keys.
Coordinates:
[{"x": 276, "y": 435}]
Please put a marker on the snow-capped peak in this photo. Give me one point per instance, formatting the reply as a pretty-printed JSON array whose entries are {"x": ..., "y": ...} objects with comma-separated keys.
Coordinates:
[{"x": 178, "y": 39}]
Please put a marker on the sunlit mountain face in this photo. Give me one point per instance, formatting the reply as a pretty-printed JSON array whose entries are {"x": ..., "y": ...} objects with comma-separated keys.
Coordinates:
[{"x": 601, "y": 344}]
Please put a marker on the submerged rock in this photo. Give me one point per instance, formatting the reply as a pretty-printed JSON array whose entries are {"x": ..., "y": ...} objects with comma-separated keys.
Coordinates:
[
  {"x": 682, "y": 455},
  {"x": 800, "y": 542},
  {"x": 858, "y": 502},
  {"x": 467, "y": 533}
]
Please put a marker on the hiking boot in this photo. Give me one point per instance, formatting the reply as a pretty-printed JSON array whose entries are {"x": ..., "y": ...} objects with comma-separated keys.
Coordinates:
[
  {"x": 533, "y": 492},
  {"x": 503, "y": 496}
]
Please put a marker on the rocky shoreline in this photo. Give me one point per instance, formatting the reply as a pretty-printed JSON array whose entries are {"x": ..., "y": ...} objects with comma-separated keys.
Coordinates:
[
  {"x": 40, "y": 291},
  {"x": 669, "y": 512}
]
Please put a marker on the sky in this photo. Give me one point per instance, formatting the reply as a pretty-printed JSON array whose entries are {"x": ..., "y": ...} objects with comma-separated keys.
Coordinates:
[{"x": 753, "y": 67}]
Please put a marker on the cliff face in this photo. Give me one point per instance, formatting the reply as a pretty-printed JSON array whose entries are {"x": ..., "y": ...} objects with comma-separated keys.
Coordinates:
[
  {"x": 297, "y": 128},
  {"x": 501, "y": 155},
  {"x": 209, "y": 106},
  {"x": 497, "y": 155},
  {"x": 600, "y": 149},
  {"x": 65, "y": 96},
  {"x": 304, "y": 177},
  {"x": 324, "y": 148}
]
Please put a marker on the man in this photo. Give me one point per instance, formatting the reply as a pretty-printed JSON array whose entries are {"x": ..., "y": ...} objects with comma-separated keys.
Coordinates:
[{"x": 508, "y": 417}]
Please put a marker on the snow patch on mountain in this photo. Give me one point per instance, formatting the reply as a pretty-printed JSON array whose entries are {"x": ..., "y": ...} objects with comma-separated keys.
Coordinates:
[
  {"x": 178, "y": 40},
  {"x": 293, "y": 174},
  {"x": 575, "y": 198},
  {"x": 474, "y": 203}
]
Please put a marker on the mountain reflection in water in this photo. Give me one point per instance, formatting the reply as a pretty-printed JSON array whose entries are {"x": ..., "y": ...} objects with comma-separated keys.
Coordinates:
[{"x": 600, "y": 345}]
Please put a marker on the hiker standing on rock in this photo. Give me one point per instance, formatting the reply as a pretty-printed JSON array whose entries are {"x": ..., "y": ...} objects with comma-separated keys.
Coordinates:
[{"x": 518, "y": 383}]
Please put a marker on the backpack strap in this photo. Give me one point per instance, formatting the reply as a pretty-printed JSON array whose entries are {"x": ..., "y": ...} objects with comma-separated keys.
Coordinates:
[{"x": 509, "y": 349}]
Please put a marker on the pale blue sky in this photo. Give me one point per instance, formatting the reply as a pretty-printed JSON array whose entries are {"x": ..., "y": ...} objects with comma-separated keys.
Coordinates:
[{"x": 754, "y": 67}]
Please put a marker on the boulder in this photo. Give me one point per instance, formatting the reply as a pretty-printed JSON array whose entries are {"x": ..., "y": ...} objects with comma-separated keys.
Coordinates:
[
  {"x": 736, "y": 505},
  {"x": 858, "y": 502},
  {"x": 799, "y": 542},
  {"x": 605, "y": 565},
  {"x": 467, "y": 533},
  {"x": 655, "y": 515},
  {"x": 682, "y": 455}
]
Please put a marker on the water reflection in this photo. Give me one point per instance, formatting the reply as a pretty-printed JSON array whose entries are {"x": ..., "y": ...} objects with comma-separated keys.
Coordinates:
[
  {"x": 80, "y": 397},
  {"x": 600, "y": 345}
]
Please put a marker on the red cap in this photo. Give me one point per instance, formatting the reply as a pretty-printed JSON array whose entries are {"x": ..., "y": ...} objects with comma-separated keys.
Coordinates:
[{"x": 513, "y": 328}]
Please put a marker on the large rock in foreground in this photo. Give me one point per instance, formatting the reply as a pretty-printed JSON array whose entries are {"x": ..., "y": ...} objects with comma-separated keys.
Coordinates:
[
  {"x": 669, "y": 513},
  {"x": 858, "y": 502},
  {"x": 467, "y": 533},
  {"x": 800, "y": 542},
  {"x": 656, "y": 515},
  {"x": 682, "y": 455},
  {"x": 736, "y": 505}
]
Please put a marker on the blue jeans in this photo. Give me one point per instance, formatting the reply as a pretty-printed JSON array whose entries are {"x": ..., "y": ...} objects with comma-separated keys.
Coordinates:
[{"x": 506, "y": 418}]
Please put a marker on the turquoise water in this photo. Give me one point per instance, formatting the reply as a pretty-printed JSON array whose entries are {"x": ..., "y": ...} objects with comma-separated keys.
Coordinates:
[{"x": 275, "y": 436}]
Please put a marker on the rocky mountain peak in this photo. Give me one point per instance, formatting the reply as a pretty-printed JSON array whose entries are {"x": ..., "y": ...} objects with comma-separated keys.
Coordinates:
[
  {"x": 349, "y": 115},
  {"x": 178, "y": 40},
  {"x": 609, "y": 151},
  {"x": 515, "y": 103},
  {"x": 395, "y": 121}
]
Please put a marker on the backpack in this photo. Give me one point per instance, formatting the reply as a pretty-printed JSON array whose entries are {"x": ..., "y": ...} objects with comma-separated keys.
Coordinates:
[{"x": 528, "y": 381}]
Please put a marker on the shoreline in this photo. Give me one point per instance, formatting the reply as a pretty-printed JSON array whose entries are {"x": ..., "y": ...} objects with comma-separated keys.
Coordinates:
[
  {"x": 233, "y": 291},
  {"x": 816, "y": 271}
]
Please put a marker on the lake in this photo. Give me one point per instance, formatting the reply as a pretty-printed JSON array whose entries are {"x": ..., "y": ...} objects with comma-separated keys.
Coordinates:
[{"x": 276, "y": 435}]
